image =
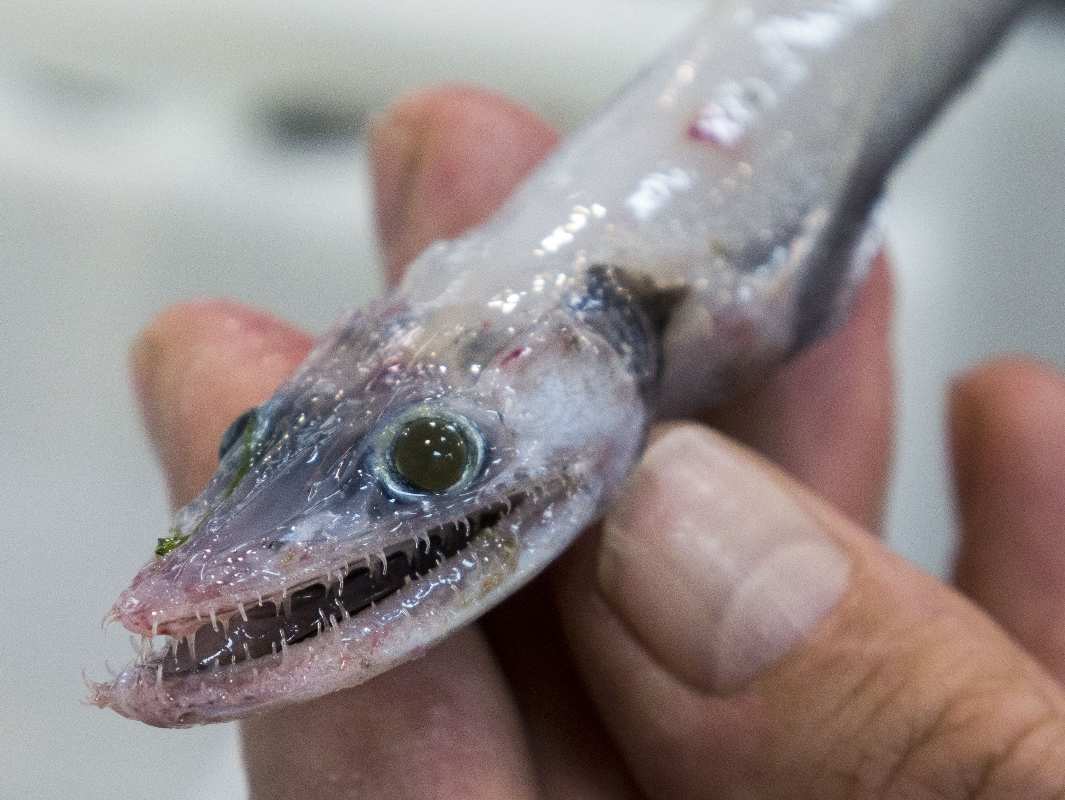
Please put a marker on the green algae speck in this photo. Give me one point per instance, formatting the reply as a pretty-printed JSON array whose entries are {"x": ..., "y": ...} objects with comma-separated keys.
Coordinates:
[
  {"x": 247, "y": 442},
  {"x": 171, "y": 542}
]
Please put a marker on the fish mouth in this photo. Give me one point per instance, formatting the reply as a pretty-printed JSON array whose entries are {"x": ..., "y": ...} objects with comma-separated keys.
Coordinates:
[{"x": 273, "y": 624}]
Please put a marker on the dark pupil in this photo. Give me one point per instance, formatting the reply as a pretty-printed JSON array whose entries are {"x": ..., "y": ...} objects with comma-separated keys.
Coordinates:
[{"x": 431, "y": 454}]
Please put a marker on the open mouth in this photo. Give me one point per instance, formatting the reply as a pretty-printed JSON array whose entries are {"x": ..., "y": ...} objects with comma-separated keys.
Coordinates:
[{"x": 282, "y": 621}]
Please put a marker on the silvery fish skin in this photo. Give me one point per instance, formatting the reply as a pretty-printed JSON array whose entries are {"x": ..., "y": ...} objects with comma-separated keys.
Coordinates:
[{"x": 710, "y": 224}]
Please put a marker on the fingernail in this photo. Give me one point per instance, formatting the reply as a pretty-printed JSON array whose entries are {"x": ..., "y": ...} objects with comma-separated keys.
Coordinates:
[
  {"x": 712, "y": 564},
  {"x": 394, "y": 162}
]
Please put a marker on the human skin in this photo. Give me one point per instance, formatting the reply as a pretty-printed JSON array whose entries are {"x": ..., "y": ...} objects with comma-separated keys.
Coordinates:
[{"x": 733, "y": 629}]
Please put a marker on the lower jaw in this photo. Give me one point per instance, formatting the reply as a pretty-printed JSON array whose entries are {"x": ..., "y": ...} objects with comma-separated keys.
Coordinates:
[{"x": 399, "y": 628}]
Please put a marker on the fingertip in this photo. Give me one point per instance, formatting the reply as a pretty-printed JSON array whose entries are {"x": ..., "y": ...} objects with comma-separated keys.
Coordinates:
[
  {"x": 1007, "y": 418},
  {"x": 1007, "y": 421},
  {"x": 1006, "y": 391},
  {"x": 444, "y": 160},
  {"x": 196, "y": 367}
]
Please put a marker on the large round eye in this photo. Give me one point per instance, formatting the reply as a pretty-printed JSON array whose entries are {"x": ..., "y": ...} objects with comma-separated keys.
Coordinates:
[{"x": 429, "y": 452}]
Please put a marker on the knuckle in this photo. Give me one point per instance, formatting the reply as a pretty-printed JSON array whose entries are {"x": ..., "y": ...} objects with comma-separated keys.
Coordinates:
[
  {"x": 987, "y": 741},
  {"x": 929, "y": 726}
]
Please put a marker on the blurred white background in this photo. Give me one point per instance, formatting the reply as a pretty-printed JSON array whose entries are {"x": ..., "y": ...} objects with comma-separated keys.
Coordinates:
[{"x": 153, "y": 151}]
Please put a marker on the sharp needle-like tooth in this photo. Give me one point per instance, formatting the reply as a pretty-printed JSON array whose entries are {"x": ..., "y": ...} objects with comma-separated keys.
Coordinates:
[
  {"x": 247, "y": 651},
  {"x": 243, "y": 613},
  {"x": 214, "y": 620},
  {"x": 286, "y": 604},
  {"x": 284, "y": 642},
  {"x": 384, "y": 562},
  {"x": 192, "y": 646},
  {"x": 198, "y": 617},
  {"x": 155, "y": 629}
]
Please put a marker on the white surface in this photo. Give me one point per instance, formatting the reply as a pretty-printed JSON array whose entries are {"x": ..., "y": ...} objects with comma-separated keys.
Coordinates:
[
  {"x": 142, "y": 161},
  {"x": 977, "y": 220}
]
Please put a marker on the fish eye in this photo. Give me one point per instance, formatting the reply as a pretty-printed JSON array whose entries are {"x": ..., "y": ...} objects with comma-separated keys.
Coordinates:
[
  {"x": 427, "y": 451},
  {"x": 235, "y": 432}
]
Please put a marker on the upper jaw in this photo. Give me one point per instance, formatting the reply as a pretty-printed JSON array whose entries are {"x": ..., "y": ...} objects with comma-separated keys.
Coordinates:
[
  {"x": 301, "y": 577},
  {"x": 398, "y": 627}
]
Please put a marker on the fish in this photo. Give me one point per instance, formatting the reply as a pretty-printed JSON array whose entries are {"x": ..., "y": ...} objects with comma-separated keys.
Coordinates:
[{"x": 440, "y": 447}]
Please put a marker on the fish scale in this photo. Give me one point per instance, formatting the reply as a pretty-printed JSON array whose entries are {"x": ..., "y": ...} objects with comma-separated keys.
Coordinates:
[{"x": 711, "y": 223}]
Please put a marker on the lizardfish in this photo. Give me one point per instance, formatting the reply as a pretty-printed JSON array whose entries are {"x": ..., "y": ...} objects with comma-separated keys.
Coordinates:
[{"x": 440, "y": 447}]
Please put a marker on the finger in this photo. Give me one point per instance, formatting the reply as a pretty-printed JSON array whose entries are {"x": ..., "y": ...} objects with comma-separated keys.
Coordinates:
[
  {"x": 574, "y": 756},
  {"x": 1008, "y": 433},
  {"x": 826, "y": 418},
  {"x": 443, "y": 161},
  {"x": 742, "y": 639},
  {"x": 442, "y": 726},
  {"x": 197, "y": 367}
]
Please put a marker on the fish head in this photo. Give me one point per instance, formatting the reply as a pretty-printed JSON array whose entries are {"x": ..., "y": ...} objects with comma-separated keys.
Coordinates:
[{"x": 421, "y": 465}]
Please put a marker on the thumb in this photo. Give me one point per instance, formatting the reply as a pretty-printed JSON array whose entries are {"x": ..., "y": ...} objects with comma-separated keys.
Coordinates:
[{"x": 742, "y": 639}]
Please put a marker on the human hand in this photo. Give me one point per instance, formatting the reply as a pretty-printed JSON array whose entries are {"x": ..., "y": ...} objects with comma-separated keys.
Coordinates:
[{"x": 727, "y": 633}]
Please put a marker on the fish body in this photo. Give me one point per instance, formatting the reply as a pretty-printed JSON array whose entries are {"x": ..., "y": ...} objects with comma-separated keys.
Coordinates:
[{"x": 440, "y": 447}]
